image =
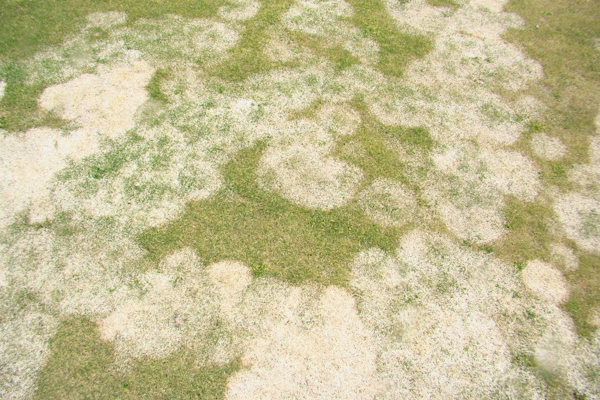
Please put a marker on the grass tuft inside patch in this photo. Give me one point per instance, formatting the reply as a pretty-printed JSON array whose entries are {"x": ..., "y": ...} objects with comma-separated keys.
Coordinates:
[
  {"x": 444, "y": 3},
  {"x": 154, "y": 88}
]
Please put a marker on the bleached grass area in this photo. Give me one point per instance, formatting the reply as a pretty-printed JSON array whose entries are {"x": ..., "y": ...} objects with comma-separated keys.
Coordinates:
[{"x": 424, "y": 166}]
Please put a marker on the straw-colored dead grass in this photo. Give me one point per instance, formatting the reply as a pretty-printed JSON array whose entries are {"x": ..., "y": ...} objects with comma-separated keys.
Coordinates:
[
  {"x": 545, "y": 281},
  {"x": 308, "y": 347},
  {"x": 580, "y": 218},
  {"x": 105, "y": 102},
  {"x": 23, "y": 349},
  {"x": 28, "y": 164},
  {"x": 299, "y": 165},
  {"x": 450, "y": 322},
  {"x": 548, "y": 148}
]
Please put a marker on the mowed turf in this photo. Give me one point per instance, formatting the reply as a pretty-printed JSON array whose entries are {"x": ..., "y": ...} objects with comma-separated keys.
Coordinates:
[{"x": 276, "y": 237}]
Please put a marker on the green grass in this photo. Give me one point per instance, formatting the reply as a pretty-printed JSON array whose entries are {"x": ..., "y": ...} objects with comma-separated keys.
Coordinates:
[
  {"x": 82, "y": 366},
  {"x": 18, "y": 108},
  {"x": 153, "y": 86},
  {"x": 585, "y": 295},
  {"x": 247, "y": 56},
  {"x": 373, "y": 147},
  {"x": 560, "y": 34},
  {"x": 444, "y": 3},
  {"x": 336, "y": 54},
  {"x": 396, "y": 48},
  {"x": 530, "y": 235},
  {"x": 30, "y": 25},
  {"x": 270, "y": 234}
]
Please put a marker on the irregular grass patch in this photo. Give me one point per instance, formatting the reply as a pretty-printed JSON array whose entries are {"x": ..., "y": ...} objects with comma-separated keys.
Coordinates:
[
  {"x": 530, "y": 235},
  {"x": 585, "y": 295},
  {"x": 396, "y": 48},
  {"x": 268, "y": 233},
  {"x": 340, "y": 58},
  {"x": 374, "y": 146},
  {"x": 247, "y": 56},
  {"x": 444, "y": 3},
  {"x": 154, "y": 86},
  {"x": 82, "y": 366}
]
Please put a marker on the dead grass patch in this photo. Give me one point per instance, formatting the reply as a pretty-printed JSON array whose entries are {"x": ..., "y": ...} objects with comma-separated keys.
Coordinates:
[
  {"x": 545, "y": 281},
  {"x": 105, "y": 102}
]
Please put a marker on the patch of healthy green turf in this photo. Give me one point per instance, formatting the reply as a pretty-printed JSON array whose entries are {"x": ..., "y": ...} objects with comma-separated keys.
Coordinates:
[
  {"x": 396, "y": 48},
  {"x": 561, "y": 35},
  {"x": 372, "y": 147},
  {"x": 268, "y": 233},
  {"x": 81, "y": 366},
  {"x": 247, "y": 56}
]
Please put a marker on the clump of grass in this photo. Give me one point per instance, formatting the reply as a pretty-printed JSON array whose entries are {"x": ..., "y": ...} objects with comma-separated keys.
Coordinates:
[
  {"x": 82, "y": 366},
  {"x": 444, "y": 3},
  {"x": 584, "y": 283},
  {"x": 154, "y": 86},
  {"x": 308, "y": 112},
  {"x": 247, "y": 56},
  {"x": 268, "y": 233},
  {"x": 340, "y": 58},
  {"x": 396, "y": 48},
  {"x": 108, "y": 163}
]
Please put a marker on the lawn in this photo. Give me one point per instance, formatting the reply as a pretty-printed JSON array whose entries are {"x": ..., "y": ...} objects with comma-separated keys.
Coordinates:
[{"x": 300, "y": 199}]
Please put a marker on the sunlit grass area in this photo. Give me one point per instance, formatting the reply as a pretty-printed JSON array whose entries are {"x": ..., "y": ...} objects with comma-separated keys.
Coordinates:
[{"x": 251, "y": 199}]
